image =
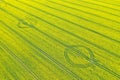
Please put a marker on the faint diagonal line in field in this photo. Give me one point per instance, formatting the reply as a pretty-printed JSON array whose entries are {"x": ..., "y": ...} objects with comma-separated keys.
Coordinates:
[
  {"x": 19, "y": 60},
  {"x": 101, "y": 25},
  {"x": 100, "y": 5},
  {"x": 108, "y": 3},
  {"x": 44, "y": 53},
  {"x": 99, "y": 47},
  {"x": 101, "y": 66},
  {"x": 103, "y": 35},
  {"x": 86, "y": 11}
]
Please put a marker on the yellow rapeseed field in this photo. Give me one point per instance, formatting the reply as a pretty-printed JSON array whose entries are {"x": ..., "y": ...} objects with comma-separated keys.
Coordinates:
[{"x": 59, "y": 39}]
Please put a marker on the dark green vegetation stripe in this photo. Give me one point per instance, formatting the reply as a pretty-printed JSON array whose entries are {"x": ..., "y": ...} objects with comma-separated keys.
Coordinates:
[{"x": 87, "y": 41}]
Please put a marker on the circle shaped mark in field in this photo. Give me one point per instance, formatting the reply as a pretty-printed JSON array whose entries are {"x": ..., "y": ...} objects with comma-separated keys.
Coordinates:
[
  {"x": 79, "y": 56},
  {"x": 27, "y": 23},
  {"x": 23, "y": 24}
]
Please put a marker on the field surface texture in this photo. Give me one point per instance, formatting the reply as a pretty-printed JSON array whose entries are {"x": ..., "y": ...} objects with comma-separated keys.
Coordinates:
[{"x": 59, "y": 39}]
